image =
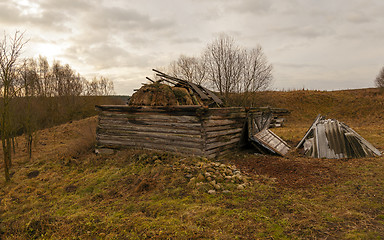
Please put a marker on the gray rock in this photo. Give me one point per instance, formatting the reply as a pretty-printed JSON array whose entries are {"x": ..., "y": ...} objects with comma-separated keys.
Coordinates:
[{"x": 212, "y": 191}]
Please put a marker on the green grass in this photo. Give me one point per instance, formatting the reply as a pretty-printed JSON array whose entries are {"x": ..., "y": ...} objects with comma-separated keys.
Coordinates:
[
  {"x": 129, "y": 196},
  {"x": 138, "y": 194}
]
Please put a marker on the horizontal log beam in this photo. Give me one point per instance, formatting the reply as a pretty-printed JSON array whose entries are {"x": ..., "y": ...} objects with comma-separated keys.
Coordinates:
[
  {"x": 135, "y": 134},
  {"x": 149, "y": 129},
  {"x": 110, "y": 143}
]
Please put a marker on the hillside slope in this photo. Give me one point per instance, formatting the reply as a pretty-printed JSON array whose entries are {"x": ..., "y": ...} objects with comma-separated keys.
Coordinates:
[
  {"x": 359, "y": 106},
  {"x": 67, "y": 192}
]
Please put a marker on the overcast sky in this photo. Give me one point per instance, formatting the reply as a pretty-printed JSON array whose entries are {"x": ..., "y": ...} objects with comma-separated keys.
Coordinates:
[{"x": 312, "y": 44}]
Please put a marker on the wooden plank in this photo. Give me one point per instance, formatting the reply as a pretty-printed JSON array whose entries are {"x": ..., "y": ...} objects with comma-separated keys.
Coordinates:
[
  {"x": 128, "y": 108},
  {"x": 223, "y": 138},
  {"x": 198, "y": 91},
  {"x": 149, "y": 129},
  {"x": 148, "y": 122},
  {"x": 270, "y": 140},
  {"x": 212, "y": 95},
  {"x": 225, "y": 132},
  {"x": 223, "y": 127},
  {"x": 158, "y": 117},
  {"x": 174, "y": 137},
  {"x": 164, "y": 113},
  {"x": 177, "y": 149},
  {"x": 139, "y": 140},
  {"x": 219, "y": 152},
  {"x": 232, "y": 142},
  {"x": 213, "y": 123}
]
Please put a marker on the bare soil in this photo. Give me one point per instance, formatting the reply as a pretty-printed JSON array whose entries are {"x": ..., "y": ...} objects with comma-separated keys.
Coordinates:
[{"x": 293, "y": 172}]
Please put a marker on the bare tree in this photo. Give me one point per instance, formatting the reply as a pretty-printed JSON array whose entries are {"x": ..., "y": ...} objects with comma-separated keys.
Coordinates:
[
  {"x": 30, "y": 83},
  {"x": 189, "y": 68},
  {"x": 224, "y": 64},
  {"x": 226, "y": 67},
  {"x": 379, "y": 81},
  {"x": 10, "y": 51}
]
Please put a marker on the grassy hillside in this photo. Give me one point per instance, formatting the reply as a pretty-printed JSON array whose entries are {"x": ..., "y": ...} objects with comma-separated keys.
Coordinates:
[
  {"x": 360, "y": 106},
  {"x": 67, "y": 192}
]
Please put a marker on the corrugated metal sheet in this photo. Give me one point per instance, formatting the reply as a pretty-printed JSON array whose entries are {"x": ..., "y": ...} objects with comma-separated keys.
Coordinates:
[{"x": 329, "y": 138}]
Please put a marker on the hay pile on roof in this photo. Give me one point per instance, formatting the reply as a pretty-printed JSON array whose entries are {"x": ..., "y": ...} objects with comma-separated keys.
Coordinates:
[
  {"x": 329, "y": 138},
  {"x": 178, "y": 92},
  {"x": 158, "y": 94}
]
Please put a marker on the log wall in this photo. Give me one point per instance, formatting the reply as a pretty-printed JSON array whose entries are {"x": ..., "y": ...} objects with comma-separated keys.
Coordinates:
[{"x": 193, "y": 130}]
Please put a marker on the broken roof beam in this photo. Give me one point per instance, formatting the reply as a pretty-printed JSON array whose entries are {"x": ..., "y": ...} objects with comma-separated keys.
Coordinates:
[
  {"x": 213, "y": 96},
  {"x": 198, "y": 91}
]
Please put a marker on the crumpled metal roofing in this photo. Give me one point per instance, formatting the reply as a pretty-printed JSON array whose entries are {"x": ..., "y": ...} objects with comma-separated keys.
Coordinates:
[{"x": 329, "y": 138}]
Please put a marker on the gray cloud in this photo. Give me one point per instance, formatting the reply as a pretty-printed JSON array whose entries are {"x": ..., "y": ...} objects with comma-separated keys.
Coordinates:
[
  {"x": 311, "y": 43},
  {"x": 251, "y": 6}
]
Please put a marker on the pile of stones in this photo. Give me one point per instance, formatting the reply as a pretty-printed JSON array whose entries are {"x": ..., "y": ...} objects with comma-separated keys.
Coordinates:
[{"x": 215, "y": 177}]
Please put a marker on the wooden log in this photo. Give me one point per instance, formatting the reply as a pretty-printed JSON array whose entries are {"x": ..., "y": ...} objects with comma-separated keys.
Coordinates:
[
  {"x": 133, "y": 134},
  {"x": 214, "y": 123},
  {"x": 224, "y": 138},
  {"x": 128, "y": 108},
  {"x": 140, "y": 140},
  {"x": 219, "y": 151},
  {"x": 223, "y": 127},
  {"x": 178, "y": 149},
  {"x": 155, "y": 117},
  {"x": 148, "y": 122},
  {"x": 232, "y": 142},
  {"x": 149, "y": 129},
  {"x": 225, "y": 132}
]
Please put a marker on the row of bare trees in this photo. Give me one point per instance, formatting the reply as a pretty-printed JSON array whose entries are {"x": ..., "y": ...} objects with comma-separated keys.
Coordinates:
[
  {"x": 35, "y": 94},
  {"x": 226, "y": 67},
  {"x": 35, "y": 77}
]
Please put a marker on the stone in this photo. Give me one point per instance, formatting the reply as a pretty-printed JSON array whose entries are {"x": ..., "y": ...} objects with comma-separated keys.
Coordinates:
[
  {"x": 219, "y": 178},
  {"x": 213, "y": 183},
  {"x": 200, "y": 177},
  {"x": 207, "y": 174},
  {"x": 104, "y": 151},
  {"x": 240, "y": 187},
  {"x": 226, "y": 191},
  {"x": 212, "y": 191}
]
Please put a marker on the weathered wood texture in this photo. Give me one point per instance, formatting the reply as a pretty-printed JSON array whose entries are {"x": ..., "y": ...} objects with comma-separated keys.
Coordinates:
[{"x": 191, "y": 130}]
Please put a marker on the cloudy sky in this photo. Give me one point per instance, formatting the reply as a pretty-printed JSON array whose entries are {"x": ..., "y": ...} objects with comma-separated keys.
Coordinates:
[{"x": 312, "y": 44}]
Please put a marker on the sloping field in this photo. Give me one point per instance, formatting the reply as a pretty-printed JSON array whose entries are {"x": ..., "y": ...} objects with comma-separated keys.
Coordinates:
[{"x": 67, "y": 192}]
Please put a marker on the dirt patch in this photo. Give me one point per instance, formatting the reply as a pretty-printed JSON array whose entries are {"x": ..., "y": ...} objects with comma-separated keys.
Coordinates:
[{"x": 291, "y": 172}]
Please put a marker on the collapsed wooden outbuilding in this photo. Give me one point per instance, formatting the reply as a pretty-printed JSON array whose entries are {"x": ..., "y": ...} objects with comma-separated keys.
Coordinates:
[
  {"x": 182, "y": 117},
  {"x": 185, "y": 129}
]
